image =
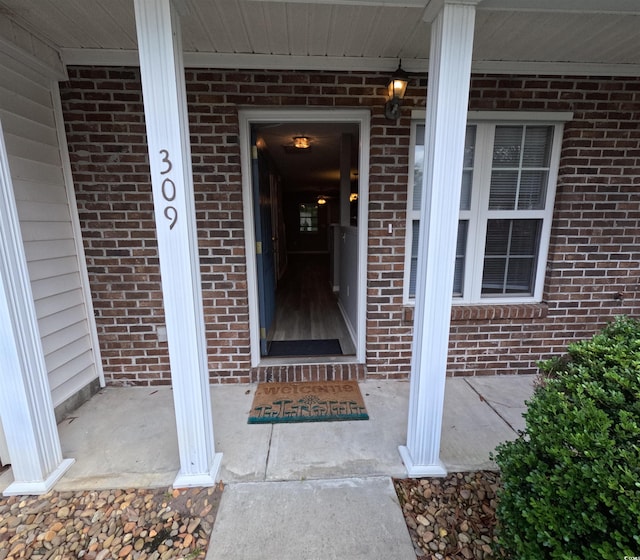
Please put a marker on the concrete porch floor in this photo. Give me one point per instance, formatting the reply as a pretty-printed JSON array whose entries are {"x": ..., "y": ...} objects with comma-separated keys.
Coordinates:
[
  {"x": 316, "y": 490},
  {"x": 126, "y": 437}
]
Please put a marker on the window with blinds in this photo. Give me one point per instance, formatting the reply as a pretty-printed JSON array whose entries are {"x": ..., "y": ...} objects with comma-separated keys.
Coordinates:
[{"x": 506, "y": 204}]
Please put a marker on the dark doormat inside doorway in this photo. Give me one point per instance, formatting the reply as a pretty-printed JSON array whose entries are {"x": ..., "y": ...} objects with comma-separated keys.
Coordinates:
[
  {"x": 314, "y": 401},
  {"x": 320, "y": 347}
]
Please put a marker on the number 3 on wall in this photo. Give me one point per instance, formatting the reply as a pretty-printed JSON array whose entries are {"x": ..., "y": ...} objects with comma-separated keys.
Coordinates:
[{"x": 168, "y": 190}]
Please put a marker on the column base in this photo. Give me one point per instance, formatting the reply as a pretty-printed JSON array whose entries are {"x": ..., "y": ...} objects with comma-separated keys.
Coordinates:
[
  {"x": 420, "y": 471},
  {"x": 200, "y": 480},
  {"x": 37, "y": 488}
]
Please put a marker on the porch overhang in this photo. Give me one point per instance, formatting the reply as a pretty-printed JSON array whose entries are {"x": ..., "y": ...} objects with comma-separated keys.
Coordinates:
[{"x": 532, "y": 37}]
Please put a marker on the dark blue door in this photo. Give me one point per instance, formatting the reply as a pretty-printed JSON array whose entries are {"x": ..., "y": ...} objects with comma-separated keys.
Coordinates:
[{"x": 265, "y": 262}]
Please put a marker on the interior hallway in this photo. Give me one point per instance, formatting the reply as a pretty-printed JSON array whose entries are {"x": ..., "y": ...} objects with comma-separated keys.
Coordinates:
[{"x": 306, "y": 307}]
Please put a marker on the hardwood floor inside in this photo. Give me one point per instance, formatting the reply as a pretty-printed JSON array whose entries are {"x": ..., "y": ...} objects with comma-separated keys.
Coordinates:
[{"x": 306, "y": 307}]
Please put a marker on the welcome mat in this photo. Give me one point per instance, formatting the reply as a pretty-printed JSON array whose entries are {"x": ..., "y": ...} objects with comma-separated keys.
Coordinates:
[
  {"x": 321, "y": 347},
  {"x": 314, "y": 401}
]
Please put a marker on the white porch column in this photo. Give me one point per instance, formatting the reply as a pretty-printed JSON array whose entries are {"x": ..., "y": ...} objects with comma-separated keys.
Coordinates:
[
  {"x": 25, "y": 397},
  {"x": 165, "y": 108},
  {"x": 447, "y": 104}
]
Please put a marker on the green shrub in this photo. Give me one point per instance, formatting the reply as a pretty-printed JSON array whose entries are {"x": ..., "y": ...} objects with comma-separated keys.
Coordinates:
[{"x": 571, "y": 481}]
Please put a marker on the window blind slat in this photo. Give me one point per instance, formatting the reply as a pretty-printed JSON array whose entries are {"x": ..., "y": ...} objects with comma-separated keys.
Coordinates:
[
  {"x": 537, "y": 146},
  {"x": 461, "y": 255},
  {"x": 507, "y": 146},
  {"x": 413, "y": 273},
  {"x": 503, "y": 189},
  {"x": 510, "y": 256},
  {"x": 533, "y": 188}
]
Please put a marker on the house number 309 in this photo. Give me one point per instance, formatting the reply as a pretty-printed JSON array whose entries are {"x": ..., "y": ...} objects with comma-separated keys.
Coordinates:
[{"x": 168, "y": 190}]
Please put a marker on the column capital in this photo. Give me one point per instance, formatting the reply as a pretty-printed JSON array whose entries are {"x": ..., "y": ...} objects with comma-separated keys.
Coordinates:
[{"x": 434, "y": 7}]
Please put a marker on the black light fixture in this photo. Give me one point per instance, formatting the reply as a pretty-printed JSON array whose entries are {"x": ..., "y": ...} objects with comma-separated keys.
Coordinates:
[{"x": 396, "y": 89}]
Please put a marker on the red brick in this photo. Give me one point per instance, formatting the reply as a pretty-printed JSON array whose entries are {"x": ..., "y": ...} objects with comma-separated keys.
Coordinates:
[{"x": 592, "y": 254}]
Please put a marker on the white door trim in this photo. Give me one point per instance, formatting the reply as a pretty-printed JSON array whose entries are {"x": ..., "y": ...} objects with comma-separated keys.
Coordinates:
[{"x": 247, "y": 117}]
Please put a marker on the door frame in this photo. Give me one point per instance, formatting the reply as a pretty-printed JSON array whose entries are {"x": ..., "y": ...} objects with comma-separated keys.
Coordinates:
[{"x": 246, "y": 118}]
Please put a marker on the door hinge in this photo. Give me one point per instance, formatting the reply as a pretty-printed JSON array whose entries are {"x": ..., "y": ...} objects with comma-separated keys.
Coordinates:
[
  {"x": 254, "y": 152},
  {"x": 258, "y": 247},
  {"x": 263, "y": 332}
]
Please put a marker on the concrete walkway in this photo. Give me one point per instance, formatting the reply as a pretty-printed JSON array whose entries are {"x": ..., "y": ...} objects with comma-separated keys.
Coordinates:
[{"x": 291, "y": 488}]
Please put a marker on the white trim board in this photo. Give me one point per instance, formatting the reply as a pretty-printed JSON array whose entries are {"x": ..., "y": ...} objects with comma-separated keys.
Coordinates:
[
  {"x": 518, "y": 116},
  {"x": 239, "y": 61},
  {"x": 246, "y": 118},
  {"x": 77, "y": 233}
]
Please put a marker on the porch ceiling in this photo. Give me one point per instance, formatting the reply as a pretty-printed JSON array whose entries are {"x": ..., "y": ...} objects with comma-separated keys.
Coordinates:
[{"x": 374, "y": 32}]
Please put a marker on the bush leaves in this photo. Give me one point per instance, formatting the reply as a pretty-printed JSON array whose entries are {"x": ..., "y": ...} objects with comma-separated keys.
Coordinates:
[{"x": 570, "y": 481}]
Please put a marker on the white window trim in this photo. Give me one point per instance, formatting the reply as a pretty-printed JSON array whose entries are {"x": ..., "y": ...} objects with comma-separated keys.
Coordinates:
[
  {"x": 411, "y": 213},
  {"x": 482, "y": 166}
]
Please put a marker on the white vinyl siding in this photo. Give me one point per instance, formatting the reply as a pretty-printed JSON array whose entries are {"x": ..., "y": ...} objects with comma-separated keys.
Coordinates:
[
  {"x": 508, "y": 189},
  {"x": 28, "y": 120}
]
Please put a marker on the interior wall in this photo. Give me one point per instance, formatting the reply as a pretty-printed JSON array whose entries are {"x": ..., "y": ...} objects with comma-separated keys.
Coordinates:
[{"x": 349, "y": 284}]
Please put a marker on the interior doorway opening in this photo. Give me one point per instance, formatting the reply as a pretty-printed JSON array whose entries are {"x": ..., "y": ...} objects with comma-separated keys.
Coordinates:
[{"x": 306, "y": 204}]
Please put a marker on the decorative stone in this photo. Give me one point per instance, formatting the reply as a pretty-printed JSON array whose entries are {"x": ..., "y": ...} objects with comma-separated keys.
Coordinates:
[
  {"x": 103, "y": 554},
  {"x": 59, "y": 526},
  {"x": 428, "y": 537},
  {"x": 460, "y": 511}
]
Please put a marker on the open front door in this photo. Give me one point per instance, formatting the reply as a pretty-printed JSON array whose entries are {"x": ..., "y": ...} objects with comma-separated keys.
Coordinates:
[
  {"x": 265, "y": 262},
  {"x": 293, "y": 193},
  {"x": 278, "y": 228}
]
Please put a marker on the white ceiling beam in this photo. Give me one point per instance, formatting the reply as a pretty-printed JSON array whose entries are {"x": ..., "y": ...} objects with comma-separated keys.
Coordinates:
[
  {"x": 583, "y": 6},
  {"x": 566, "y": 6},
  {"x": 105, "y": 57},
  {"x": 377, "y": 3},
  {"x": 554, "y": 68}
]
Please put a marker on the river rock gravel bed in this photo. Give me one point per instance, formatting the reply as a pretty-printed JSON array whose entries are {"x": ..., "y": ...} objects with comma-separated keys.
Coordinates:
[
  {"x": 143, "y": 524},
  {"x": 451, "y": 518}
]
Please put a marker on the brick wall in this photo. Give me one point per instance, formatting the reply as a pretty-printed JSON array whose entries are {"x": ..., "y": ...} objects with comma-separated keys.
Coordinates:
[
  {"x": 593, "y": 269},
  {"x": 593, "y": 261}
]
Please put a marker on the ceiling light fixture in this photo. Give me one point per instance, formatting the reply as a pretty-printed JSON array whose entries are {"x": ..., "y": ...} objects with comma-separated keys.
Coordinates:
[
  {"x": 301, "y": 142},
  {"x": 322, "y": 200},
  {"x": 396, "y": 88}
]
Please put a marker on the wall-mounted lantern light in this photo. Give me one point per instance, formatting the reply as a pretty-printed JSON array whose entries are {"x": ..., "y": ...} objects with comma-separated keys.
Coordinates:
[{"x": 396, "y": 89}]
